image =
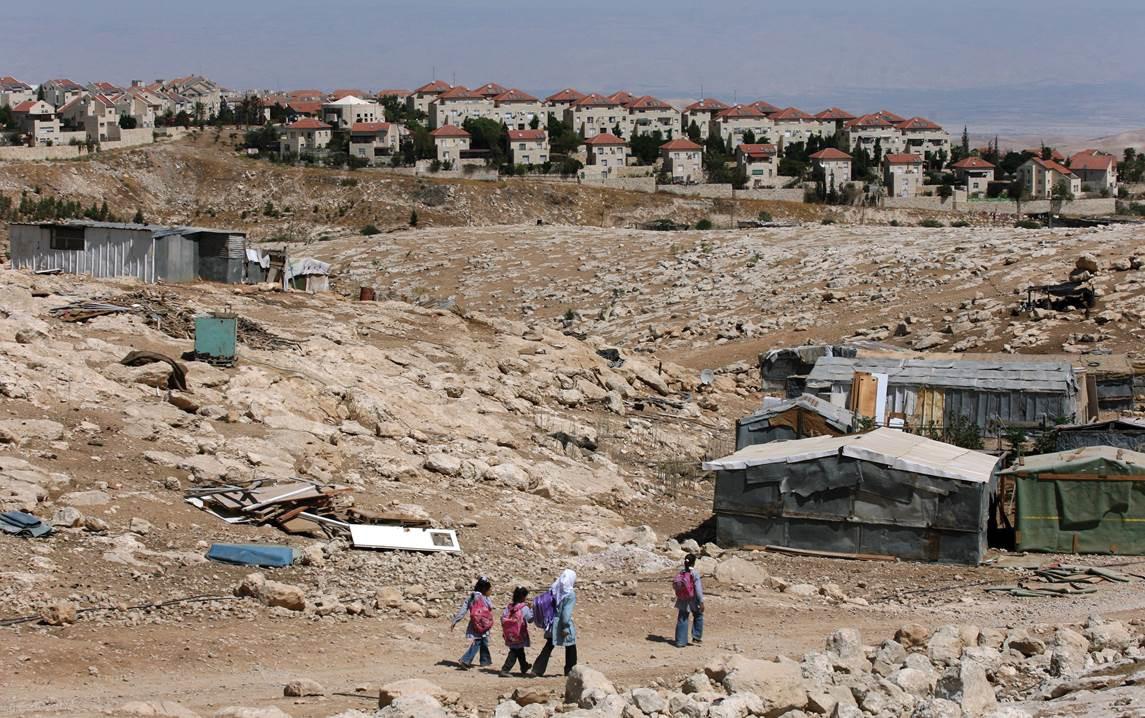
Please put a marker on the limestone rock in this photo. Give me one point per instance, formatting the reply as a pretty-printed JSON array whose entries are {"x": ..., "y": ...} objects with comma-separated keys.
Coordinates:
[
  {"x": 587, "y": 687},
  {"x": 945, "y": 646},
  {"x": 411, "y": 687},
  {"x": 648, "y": 700},
  {"x": 912, "y": 635},
  {"x": 303, "y": 687},
  {"x": 160, "y": 709},
  {"x": 272, "y": 593},
  {"x": 245, "y": 712},
  {"x": 67, "y": 517},
  {"x": 778, "y": 683},
  {"x": 59, "y": 613},
  {"x": 736, "y": 570},
  {"x": 966, "y": 684}
]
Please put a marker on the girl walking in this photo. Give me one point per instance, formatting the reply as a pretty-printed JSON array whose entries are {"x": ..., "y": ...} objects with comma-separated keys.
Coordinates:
[
  {"x": 515, "y": 627},
  {"x": 480, "y": 610},
  {"x": 689, "y": 600},
  {"x": 562, "y": 631}
]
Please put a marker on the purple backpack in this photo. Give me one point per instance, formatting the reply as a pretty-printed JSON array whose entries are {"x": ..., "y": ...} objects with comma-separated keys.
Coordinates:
[{"x": 544, "y": 609}]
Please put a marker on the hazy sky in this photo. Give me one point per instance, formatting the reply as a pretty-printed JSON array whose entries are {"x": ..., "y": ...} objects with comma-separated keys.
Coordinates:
[{"x": 747, "y": 48}]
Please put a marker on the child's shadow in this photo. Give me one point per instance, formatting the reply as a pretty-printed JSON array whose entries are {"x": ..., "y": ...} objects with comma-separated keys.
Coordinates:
[{"x": 653, "y": 638}]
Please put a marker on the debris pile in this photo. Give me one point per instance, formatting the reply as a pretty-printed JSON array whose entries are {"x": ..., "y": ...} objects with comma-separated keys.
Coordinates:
[
  {"x": 1058, "y": 579},
  {"x": 303, "y": 506}
]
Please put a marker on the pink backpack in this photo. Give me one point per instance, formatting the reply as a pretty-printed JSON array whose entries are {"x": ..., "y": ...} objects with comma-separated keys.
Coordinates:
[
  {"x": 685, "y": 585},
  {"x": 513, "y": 625},
  {"x": 480, "y": 617}
]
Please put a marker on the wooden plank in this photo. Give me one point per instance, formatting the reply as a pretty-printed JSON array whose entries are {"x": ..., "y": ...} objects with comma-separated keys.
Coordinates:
[{"x": 828, "y": 554}]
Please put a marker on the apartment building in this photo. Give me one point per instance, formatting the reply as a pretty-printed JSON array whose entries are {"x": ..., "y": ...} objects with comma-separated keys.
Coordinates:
[
  {"x": 557, "y": 103},
  {"x": 528, "y": 147},
  {"x": 490, "y": 90},
  {"x": 420, "y": 99},
  {"x": 95, "y": 114},
  {"x": 304, "y": 137},
  {"x": 833, "y": 119},
  {"x": 1039, "y": 178},
  {"x": 595, "y": 114},
  {"x": 517, "y": 109},
  {"x": 924, "y": 138},
  {"x": 903, "y": 174},
  {"x": 833, "y": 167},
  {"x": 758, "y": 163},
  {"x": 735, "y": 122},
  {"x": 58, "y": 93},
  {"x": 975, "y": 174},
  {"x": 450, "y": 141},
  {"x": 871, "y": 131},
  {"x": 702, "y": 113},
  {"x": 458, "y": 104},
  {"x": 37, "y": 119},
  {"x": 793, "y": 125},
  {"x": 765, "y": 107},
  {"x": 137, "y": 105},
  {"x": 647, "y": 115}
]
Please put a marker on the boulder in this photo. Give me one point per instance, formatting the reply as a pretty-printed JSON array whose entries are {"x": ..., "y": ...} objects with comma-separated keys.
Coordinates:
[
  {"x": 1021, "y": 641},
  {"x": 160, "y": 709},
  {"x": 587, "y": 687},
  {"x": 889, "y": 657},
  {"x": 25, "y": 430},
  {"x": 913, "y": 635},
  {"x": 303, "y": 687},
  {"x": 272, "y": 593},
  {"x": 915, "y": 682},
  {"x": 245, "y": 712},
  {"x": 510, "y": 475},
  {"x": 414, "y": 706},
  {"x": 778, "y": 683},
  {"x": 937, "y": 708},
  {"x": 388, "y": 597},
  {"x": 736, "y": 570},
  {"x": 1069, "y": 653},
  {"x": 530, "y": 696},
  {"x": 845, "y": 643},
  {"x": 648, "y": 700},
  {"x": 1086, "y": 263},
  {"x": 59, "y": 613},
  {"x": 966, "y": 684},
  {"x": 67, "y": 517},
  {"x": 412, "y": 687},
  {"x": 738, "y": 706},
  {"x": 443, "y": 464},
  {"x": 1107, "y": 634},
  {"x": 945, "y": 646}
]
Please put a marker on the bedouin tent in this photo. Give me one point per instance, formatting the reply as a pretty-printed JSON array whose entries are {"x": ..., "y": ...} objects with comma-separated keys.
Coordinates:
[{"x": 1085, "y": 500}]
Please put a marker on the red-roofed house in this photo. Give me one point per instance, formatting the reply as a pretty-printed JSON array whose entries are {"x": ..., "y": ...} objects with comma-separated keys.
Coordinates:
[
  {"x": 307, "y": 136},
  {"x": 890, "y": 117},
  {"x": 374, "y": 142},
  {"x": 758, "y": 163},
  {"x": 392, "y": 92},
  {"x": 765, "y": 107},
  {"x": 61, "y": 92},
  {"x": 975, "y": 173},
  {"x": 794, "y": 125},
  {"x": 1096, "y": 169},
  {"x": 834, "y": 117},
  {"x": 491, "y": 90},
  {"x": 702, "y": 113},
  {"x": 346, "y": 92},
  {"x": 922, "y": 137},
  {"x": 606, "y": 151},
  {"x": 868, "y": 132},
  {"x": 450, "y": 141},
  {"x": 622, "y": 97},
  {"x": 737, "y": 121},
  {"x": 306, "y": 96},
  {"x": 94, "y": 114},
  {"x": 833, "y": 167},
  {"x": 37, "y": 119},
  {"x": 593, "y": 114},
  {"x": 683, "y": 161},
  {"x": 558, "y": 102},
  {"x": 517, "y": 109},
  {"x": 420, "y": 99},
  {"x": 351, "y": 110},
  {"x": 13, "y": 92},
  {"x": 1040, "y": 177},
  {"x": 458, "y": 104},
  {"x": 528, "y": 147},
  {"x": 902, "y": 174},
  {"x": 648, "y": 114}
]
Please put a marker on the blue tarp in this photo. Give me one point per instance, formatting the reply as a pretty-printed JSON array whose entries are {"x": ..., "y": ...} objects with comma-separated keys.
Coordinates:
[
  {"x": 251, "y": 554},
  {"x": 23, "y": 524}
]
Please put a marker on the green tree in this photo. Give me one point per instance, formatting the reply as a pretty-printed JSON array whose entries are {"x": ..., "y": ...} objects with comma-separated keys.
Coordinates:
[
  {"x": 199, "y": 113},
  {"x": 1059, "y": 195},
  {"x": 1018, "y": 193},
  {"x": 563, "y": 139},
  {"x": 413, "y": 218},
  {"x": 138, "y": 218},
  {"x": 748, "y": 137},
  {"x": 127, "y": 122},
  {"x": 646, "y": 148},
  {"x": 535, "y": 123},
  {"x": 694, "y": 133},
  {"x": 6, "y": 121},
  {"x": 490, "y": 135},
  {"x": 226, "y": 115}
]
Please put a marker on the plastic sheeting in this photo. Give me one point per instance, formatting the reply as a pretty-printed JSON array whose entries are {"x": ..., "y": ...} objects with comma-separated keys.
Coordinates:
[{"x": 249, "y": 554}]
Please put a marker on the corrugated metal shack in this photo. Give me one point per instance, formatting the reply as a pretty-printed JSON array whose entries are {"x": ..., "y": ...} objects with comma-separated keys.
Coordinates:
[
  {"x": 150, "y": 253},
  {"x": 933, "y": 392},
  {"x": 786, "y": 369},
  {"x": 1124, "y": 432},
  {"x": 787, "y": 419},
  {"x": 883, "y": 492},
  {"x": 1087, "y": 500}
]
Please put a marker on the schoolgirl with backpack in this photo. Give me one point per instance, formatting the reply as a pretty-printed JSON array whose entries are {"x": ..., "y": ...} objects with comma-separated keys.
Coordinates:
[
  {"x": 689, "y": 603},
  {"x": 480, "y": 610},
  {"x": 515, "y": 629}
]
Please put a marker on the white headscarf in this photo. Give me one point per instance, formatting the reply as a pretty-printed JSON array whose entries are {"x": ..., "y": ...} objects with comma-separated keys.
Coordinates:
[{"x": 563, "y": 586}]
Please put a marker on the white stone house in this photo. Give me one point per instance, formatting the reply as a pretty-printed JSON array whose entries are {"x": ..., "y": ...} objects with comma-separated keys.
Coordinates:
[
  {"x": 975, "y": 174},
  {"x": 736, "y": 121},
  {"x": 304, "y": 137},
  {"x": 13, "y": 92},
  {"x": 834, "y": 167},
  {"x": 60, "y": 92},
  {"x": 870, "y": 131},
  {"x": 683, "y": 161},
  {"x": 832, "y": 119},
  {"x": 37, "y": 119},
  {"x": 924, "y": 138},
  {"x": 1097, "y": 170},
  {"x": 556, "y": 103},
  {"x": 348, "y": 111},
  {"x": 903, "y": 174},
  {"x": 420, "y": 99},
  {"x": 702, "y": 113},
  {"x": 458, "y": 104},
  {"x": 517, "y": 109},
  {"x": 374, "y": 142},
  {"x": 450, "y": 141},
  {"x": 1040, "y": 177},
  {"x": 595, "y": 114},
  {"x": 528, "y": 147},
  {"x": 793, "y": 125},
  {"x": 647, "y": 115},
  {"x": 607, "y": 151},
  {"x": 758, "y": 163}
]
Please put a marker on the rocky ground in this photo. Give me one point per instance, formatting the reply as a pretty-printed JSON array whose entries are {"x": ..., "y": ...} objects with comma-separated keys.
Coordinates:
[{"x": 708, "y": 299}]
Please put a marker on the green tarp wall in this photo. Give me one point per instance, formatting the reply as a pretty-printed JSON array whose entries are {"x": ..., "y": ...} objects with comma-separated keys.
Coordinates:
[{"x": 1081, "y": 515}]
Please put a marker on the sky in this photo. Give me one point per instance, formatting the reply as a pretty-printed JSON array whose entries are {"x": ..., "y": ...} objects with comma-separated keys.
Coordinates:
[{"x": 733, "y": 49}]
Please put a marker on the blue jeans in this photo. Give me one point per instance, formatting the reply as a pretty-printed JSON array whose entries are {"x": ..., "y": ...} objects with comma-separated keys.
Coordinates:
[
  {"x": 481, "y": 644},
  {"x": 682, "y": 626}
]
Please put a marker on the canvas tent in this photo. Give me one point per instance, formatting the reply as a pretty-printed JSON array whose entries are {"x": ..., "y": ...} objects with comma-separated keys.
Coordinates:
[
  {"x": 884, "y": 492},
  {"x": 799, "y": 418},
  {"x": 1086, "y": 500}
]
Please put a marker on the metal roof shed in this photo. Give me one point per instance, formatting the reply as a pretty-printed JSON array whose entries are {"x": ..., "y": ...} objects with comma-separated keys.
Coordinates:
[
  {"x": 885, "y": 491},
  {"x": 1086, "y": 500},
  {"x": 936, "y": 391},
  {"x": 787, "y": 419}
]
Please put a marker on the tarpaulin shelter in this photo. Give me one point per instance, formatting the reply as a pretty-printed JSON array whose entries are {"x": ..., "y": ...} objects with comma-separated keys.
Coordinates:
[
  {"x": 1086, "y": 500},
  {"x": 882, "y": 492},
  {"x": 308, "y": 274},
  {"x": 787, "y": 419},
  {"x": 1123, "y": 432}
]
